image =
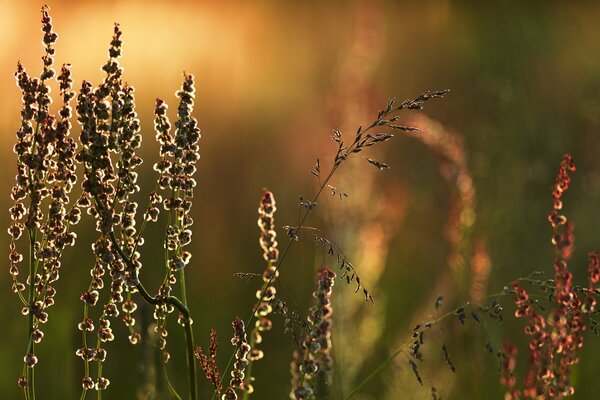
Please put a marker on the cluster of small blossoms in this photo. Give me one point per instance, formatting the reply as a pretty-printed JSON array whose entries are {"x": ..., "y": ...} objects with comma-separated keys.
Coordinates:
[
  {"x": 105, "y": 260},
  {"x": 299, "y": 391},
  {"x": 266, "y": 295},
  {"x": 567, "y": 323},
  {"x": 179, "y": 152},
  {"x": 266, "y": 223},
  {"x": 557, "y": 339},
  {"x": 162, "y": 126},
  {"x": 104, "y": 334},
  {"x": 208, "y": 363},
  {"x": 536, "y": 329},
  {"x": 240, "y": 341},
  {"x": 161, "y": 311},
  {"x": 110, "y": 126},
  {"x": 45, "y": 175},
  {"x": 317, "y": 342}
]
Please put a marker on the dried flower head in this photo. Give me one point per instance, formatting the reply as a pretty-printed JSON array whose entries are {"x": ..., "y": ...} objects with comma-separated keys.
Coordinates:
[
  {"x": 242, "y": 346},
  {"x": 266, "y": 223},
  {"x": 312, "y": 360},
  {"x": 208, "y": 362},
  {"x": 266, "y": 294}
]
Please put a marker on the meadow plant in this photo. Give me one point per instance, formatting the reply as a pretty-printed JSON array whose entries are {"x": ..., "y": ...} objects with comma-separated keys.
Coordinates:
[
  {"x": 45, "y": 212},
  {"x": 557, "y": 338},
  {"x": 43, "y": 209}
]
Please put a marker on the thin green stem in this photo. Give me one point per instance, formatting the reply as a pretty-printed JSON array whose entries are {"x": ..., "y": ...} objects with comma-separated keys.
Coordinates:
[
  {"x": 25, "y": 390},
  {"x": 169, "y": 384},
  {"x": 183, "y": 290},
  {"x": 144, "y": 222},
  {"x": 252, "y": 343},
  {"x": 30, "y": 319},
  {"x": 86, "y": 364},
  {"x": 99, "y": 392},
  {"x": 189, "y": 338}
]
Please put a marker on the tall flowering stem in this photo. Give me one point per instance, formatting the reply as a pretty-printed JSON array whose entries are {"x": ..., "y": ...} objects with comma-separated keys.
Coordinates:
[
  {"x": 45, "y": 175},
  {"x": 208, "y": 362},
  {"x": 242, "y": 349},
  {"x": 556, "y": 339},
  {"x": 268, "y": 243},
  {"x": 566, "y": 336},
  {"x": 179, "y": 154},
  {"x": 109, "y": 127}
]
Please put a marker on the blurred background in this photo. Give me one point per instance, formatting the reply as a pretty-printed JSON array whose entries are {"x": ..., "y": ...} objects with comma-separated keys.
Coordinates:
[{"x": 462, "y": 211}]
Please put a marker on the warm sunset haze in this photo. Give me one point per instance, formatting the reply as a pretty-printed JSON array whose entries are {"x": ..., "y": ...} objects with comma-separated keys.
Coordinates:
[{"x": 260, "y": 199}]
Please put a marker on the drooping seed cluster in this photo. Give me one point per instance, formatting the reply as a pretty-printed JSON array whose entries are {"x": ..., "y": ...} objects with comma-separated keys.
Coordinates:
[
  {"x": 242, "y": 346},
  {"x": 364, "y": 138},
  {"x": 45, "y": 176},
  {"x": 316, "y": 362}
]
